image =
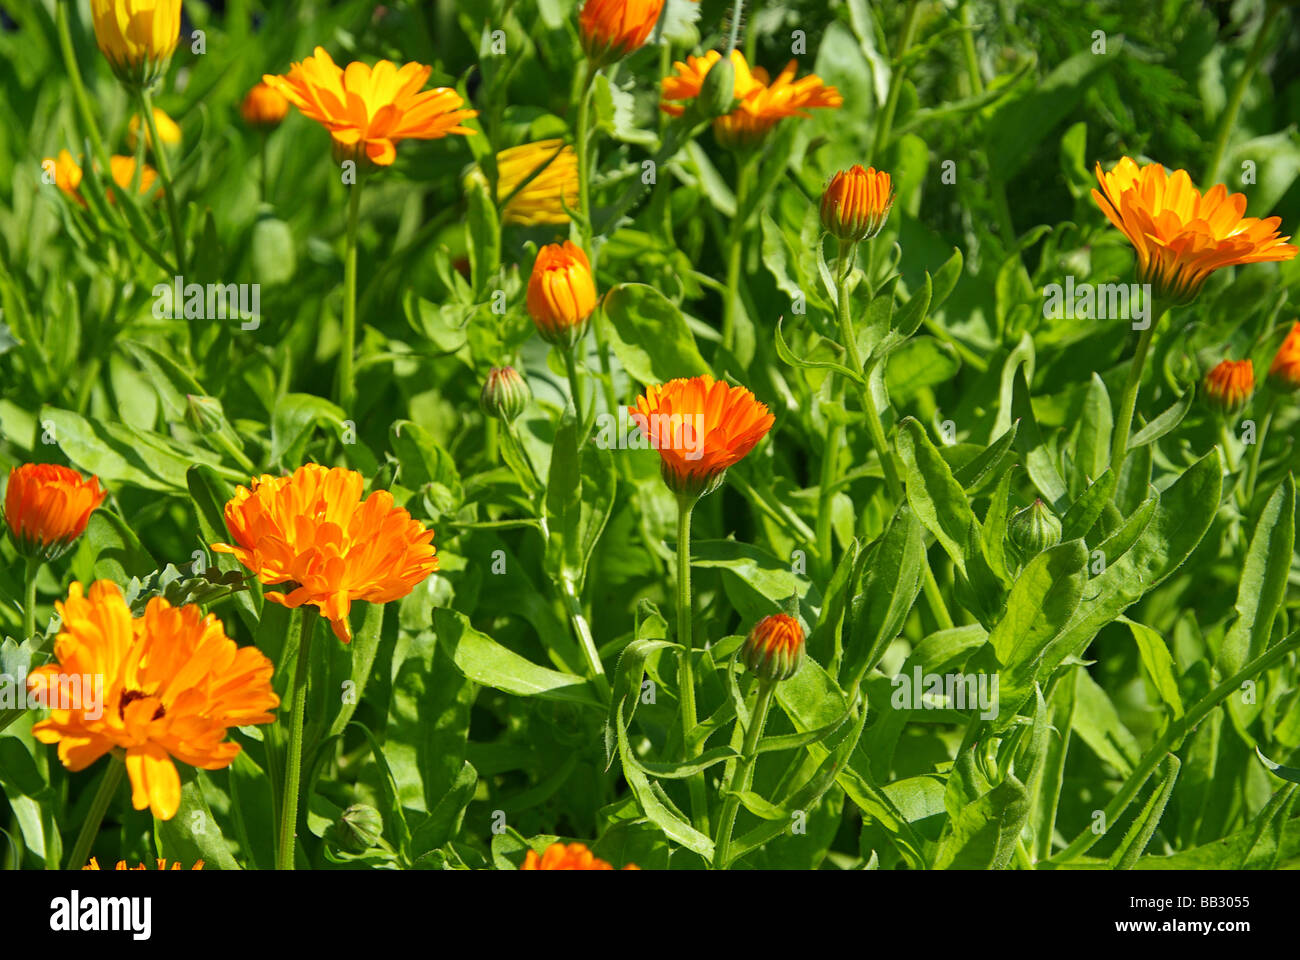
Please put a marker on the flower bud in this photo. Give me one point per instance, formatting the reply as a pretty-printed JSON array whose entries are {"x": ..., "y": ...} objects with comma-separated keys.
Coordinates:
[
  {"x": 1284, "y": 373},
  {"x": 1228, "y": 387},
  {"x": 138, "y": 37},
  {"x": 360, "y": 828},
  {"x": 774, "y": 648},
  {"x": 47, "y": 507},
  {"x": 264, "y": 107},
  {"x": 505, "y": 394},
  {"x": 856, "y": 203},
  {"x": 1033, "y": 530},
  {"x": 718, "y": 94},
  {"x": 203, "y": 414},
  {"x": 561, "y": 293},
  {"x": 611, "y": 29}
]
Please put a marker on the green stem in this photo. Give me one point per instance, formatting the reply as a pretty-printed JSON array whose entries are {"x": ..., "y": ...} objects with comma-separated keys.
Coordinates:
[
  {"x": 968, "y": 50},
  {"x": 265, "y": 175},
  {"x": 1252, "y": 473},
  {"x": 575, "y": 385},
  {"x": 29, "y": 597},
  {"x": 78, "y": 86},
  {"x": 885, "y": 121},
  {"x": 346, "y": 385},
  {"x": 825, "y": 492},
  {"x": 1172, "y": 737},
  {"x": 583, "y": 630},
  {"x": 744, "y": 771},
  {"x": 686, "y": 668},
  {"x": 95, "y": 816},
  {"x": 165, "y": 175},
  {"x": 1128, "y": 399},
  {"x": 306, "y": 623},
  {"x": 735, "y": 250},
  {"x": 1228, "y": 118},
  {"x": 1226, "y": 442},
  {"x": 582, "y": 137}
]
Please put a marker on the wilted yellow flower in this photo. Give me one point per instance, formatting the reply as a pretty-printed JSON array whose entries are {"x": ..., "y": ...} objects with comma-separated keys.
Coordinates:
[
  {"x": 541, "y": 201},
  {"x": 168, "y": 132},
  {"x": 137, "y": 36}
]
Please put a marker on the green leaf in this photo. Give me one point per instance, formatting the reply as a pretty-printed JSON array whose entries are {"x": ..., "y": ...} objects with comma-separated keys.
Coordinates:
[
  {"x": 1164, "y": 422},
  {"x": 984, "y": 834},
  {"x": 1263, "y": 584},
  {"x": 1135, "y": 841},
  {"x": 193, "y": 834},
  {"x": 1159, "y": 664},
  {"x": 483, "y": 660},
  {"x": 649, "y": 335},
  {"x": 1286, "y": 773},
  {"x": 893, "y": 581},
  {"x": 483, "y": 227}
]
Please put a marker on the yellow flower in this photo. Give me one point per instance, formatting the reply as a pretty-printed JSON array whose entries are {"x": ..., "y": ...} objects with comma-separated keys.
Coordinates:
[
  {"x": 856, "y": 203},
  {"x": 264, "y": 107},
  {"x": 168, "y": 132},
  {"x": 162, "y": 865},
  {"x": 762, "y": 105},
  {"x": 561, "y": 293},
  {"x": 137, "y": 36},
  {"x": 68, "y": 175},
  {"x": 1180, "y": 236},
  {"x": 172, "y": 684},
  {"x": 313, "y": 532},
  {"x": 540, "y": 201},
  {"x": 368, "y": 111}
]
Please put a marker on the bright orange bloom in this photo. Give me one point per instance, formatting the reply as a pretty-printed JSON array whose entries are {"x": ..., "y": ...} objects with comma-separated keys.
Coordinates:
[
  {"x": 763, "y": 103},
  {"x": 1229, "y": 386},
  {"x": 168, "y": 685},
  {"x": 561, "y": 293},
  {"x": 162, "y": 865},
  {"x": 1284, "y": 373},
  {"x": 774, "y": 648},
  {"x": 47, "y": 507},
  {"x": 611, "y": 29},
  {"x": 540, "y": 201},
  {"x": 574, "y": 856},
  {"x": 856, "y": 203},
  {"x": 169, "y": 132},
  {"x": 700, "y": 428},
  {"x": 1180, "y": 236},
  {"x": 313, "y": 532},
  {"x": 68, "y": 175},
  {"x": 264, "y": 107},
  {"x": 368, "y": 111}
]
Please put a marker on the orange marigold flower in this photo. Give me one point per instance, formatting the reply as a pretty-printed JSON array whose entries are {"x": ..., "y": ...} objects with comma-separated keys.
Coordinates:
[
  {"x": 763, "y": 103},
  {"x": 137, "y": 36},
  {"x": 774, "y": 648},
  {"x": 540, "y": 201},
  {"x": 856, "y": 203},
  {"x": 68, "y": 174},
  {"x": 168, "y": 685},
  {"x": 611, "y": 29},
  {"x": 1229, "y": 386},
  {"x": 264, "y": 107},
  {"x": 561, "y": 293},
  {"x": 47, "y": 507},
  {"x": 1284, "y": 372},
  {"x": 574, "y": 856},
  {"x": 368, "y": 111},
  {"x": 700, "y": 428},
  {"x": 1180, "y": 236},
  {"x": 162, "y": 865},
  {"x": 312, "y": 531}
]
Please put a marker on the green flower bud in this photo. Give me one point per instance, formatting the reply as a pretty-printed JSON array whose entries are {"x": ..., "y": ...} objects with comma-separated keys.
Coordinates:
[
  {"x": 203, "y": 414},
  {"x": 360, "y": 828},
  {"x": 505, "y": 394},
  {"x": 1033, "y": 530},
  {"x": 718, "y": 94}
]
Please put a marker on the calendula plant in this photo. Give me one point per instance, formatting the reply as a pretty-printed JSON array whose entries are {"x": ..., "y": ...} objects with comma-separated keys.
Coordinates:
[{"x": 732, "y": 435}]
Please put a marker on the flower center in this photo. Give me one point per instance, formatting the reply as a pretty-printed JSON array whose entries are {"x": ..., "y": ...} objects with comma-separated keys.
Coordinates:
[{"x": 129, "y": 697}]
